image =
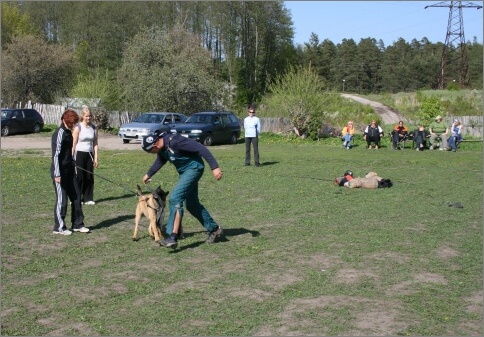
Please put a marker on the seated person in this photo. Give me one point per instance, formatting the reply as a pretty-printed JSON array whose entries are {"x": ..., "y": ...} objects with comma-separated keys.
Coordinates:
[
  {"x": 456, "y": 135},
  {"x": 373, "y": 134},
  {"x": 438, "y": 129},
  {"x": 399, "y": 133},
  {"x": 347, "y": 134},
  {"x": 420, "y": 137}
]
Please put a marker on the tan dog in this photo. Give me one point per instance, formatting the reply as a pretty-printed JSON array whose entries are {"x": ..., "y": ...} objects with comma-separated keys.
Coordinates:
[
  {"x": 370, "y": 181},
  {"x": 149, "y": 205}
]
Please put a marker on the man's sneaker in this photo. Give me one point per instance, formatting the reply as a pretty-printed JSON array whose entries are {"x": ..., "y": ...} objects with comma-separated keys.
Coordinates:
[
  {"x": 90, "y": 202},
  {"x": 169, "y": 241},
  {"x": 214, "y": 234},
  {"x": 81, "y": 229},
  {"x": 63, "y": 232}
]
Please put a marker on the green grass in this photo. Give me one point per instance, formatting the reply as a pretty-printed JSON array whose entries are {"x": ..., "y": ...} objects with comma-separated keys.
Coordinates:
[
  {"x": 453, "y": 102},
  {"x": 301, "y": 256}
]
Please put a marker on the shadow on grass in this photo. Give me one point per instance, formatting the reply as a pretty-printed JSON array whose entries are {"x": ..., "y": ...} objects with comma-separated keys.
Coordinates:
[
  {"x": 268, "y": 163},
  {"x": 126, "y": 196},
  {"x": 114, "y": 221},
  {"x": 224, "y": 238}
]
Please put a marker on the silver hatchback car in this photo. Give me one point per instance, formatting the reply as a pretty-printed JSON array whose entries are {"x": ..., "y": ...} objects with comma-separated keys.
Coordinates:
[{"x": 149, "y": 122}]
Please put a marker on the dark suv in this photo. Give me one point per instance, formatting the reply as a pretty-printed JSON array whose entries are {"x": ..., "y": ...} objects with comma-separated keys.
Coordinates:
[
  {"x": 21, "y": 121},
  {"x": 211, "y": 127}
]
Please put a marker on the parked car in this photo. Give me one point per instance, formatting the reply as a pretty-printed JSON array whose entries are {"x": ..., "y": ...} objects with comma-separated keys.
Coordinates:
[
  {"x": 21, "y": 121},
  {"x": 149, "y": 122},
  {"x": 211, "y": 127}
]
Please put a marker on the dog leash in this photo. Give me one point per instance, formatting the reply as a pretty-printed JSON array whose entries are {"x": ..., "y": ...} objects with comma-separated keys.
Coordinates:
[
  {"x": 300, "y": 177},
  {"x": 112, "y": 182}
]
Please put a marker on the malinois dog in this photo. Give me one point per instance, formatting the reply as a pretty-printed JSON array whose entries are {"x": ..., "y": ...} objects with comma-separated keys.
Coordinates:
[{"x": 151, "y": 206}]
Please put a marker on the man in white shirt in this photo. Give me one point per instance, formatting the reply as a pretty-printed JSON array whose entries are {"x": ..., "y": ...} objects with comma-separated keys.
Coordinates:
[{"x": 252, "y": 130}]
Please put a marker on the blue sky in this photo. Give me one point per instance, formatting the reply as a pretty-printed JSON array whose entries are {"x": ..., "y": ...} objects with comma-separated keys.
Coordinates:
[{"x": 385, "y": 20}]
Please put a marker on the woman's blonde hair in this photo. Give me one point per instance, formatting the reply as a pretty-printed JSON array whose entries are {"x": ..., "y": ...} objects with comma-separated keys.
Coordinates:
[{"x": 84, "y": 110}]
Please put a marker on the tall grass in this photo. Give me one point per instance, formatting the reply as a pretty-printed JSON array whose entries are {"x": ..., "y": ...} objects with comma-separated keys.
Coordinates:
[
  {"x": 453, "y": 102},
  {"x": 300, "y": 255}
]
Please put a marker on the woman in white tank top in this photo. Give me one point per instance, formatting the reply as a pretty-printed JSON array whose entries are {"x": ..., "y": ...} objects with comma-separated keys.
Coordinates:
[{"x": 85, "y": 152}]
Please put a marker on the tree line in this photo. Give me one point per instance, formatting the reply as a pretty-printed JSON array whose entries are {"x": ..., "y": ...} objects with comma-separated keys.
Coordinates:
[{"x": 187, "y": 56}]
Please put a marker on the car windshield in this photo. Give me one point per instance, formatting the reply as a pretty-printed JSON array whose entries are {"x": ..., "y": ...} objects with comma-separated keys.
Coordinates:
[
  {"x": 149, "y": 118},
  {"x": 6, "y": 113},
  {"x": 200, "y": 119}
]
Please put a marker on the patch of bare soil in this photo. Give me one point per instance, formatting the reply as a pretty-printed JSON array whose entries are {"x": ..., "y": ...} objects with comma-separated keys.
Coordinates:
[
  {"x": 36, "y": 141},
  {"x": 375, "y": 317}
]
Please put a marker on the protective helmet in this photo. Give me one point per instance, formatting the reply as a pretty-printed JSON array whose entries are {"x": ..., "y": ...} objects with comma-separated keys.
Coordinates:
[
  {"x": 348, "y": 173},
  {"x": 150, "y": 139}
]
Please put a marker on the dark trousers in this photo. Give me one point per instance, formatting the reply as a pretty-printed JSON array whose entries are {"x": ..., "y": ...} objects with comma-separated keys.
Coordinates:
[
  {"x": 255, "y": 143},
  {"x": 374, "y": 139},
  {"x": 396, "y": 138},
  {"x": 68, "y": 189},
  {"x": 420, "y": 141},
  {"x": 86, "y": 179}
]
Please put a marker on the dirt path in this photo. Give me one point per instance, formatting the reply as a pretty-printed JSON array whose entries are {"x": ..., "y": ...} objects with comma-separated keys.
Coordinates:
[
  {"x": 37, "y": 141},
  {"x": 387, "y": 114}
]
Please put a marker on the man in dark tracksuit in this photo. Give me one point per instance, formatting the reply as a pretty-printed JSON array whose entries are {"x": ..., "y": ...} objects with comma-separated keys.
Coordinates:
[
  {"x": 186, "y": 154},
  {"x": 63, "y": 174}
]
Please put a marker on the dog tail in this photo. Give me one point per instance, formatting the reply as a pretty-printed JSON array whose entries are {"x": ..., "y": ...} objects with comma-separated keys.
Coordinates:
[{"x": 140, "y": 192}]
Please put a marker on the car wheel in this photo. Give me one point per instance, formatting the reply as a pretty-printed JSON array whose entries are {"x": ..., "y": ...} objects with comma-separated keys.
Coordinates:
[
  {"x": 125, "y": 141},
  {"x": 208, "y": 140},
  {"x": 5, "y": 131},
  {"x": 37, "y": 128},
  {"x": 233, "y": 139}
]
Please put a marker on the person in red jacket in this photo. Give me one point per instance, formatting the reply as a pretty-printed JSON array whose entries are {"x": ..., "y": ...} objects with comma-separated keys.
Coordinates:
[{"x": 398, "y": 134}]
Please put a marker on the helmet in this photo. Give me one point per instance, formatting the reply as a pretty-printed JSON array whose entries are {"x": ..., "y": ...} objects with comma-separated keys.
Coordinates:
[
  {"x": 150, "y": 139},
  {"x": 348, "y": 173}
]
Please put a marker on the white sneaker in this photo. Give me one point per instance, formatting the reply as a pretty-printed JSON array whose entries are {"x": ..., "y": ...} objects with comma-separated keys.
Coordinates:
[
  {"x": 82, "y": 230},
  {"x": 63, "y": 232},
  {"x": 90, "y": 203}
]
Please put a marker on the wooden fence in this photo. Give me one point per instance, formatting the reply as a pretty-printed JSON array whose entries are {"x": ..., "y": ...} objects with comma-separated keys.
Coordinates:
[{"x": 473, "y": 125}]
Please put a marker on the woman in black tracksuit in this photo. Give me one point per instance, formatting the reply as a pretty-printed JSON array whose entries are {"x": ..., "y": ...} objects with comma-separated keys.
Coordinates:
[{"x": 63, "y": 174}]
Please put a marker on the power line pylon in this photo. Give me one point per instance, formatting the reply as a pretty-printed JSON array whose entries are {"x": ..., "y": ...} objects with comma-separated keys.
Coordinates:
[{"x": 455, "y": 32}]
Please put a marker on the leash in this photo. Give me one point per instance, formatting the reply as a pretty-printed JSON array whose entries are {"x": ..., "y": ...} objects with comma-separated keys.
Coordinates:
[
  {"x": 112, "y": 182},
  {"x": 301, "y": 177}
]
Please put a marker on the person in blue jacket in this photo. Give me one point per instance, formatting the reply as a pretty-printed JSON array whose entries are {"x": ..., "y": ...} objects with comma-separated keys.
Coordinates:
[{"x": 187, "y": 156}]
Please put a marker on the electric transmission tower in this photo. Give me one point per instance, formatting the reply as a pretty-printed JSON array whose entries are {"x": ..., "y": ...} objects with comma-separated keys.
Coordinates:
[{"x": 455, "y": 47}]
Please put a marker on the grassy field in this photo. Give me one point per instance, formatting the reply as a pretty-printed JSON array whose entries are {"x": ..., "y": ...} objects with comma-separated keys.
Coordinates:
[{"x": 300, "y": 255}]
